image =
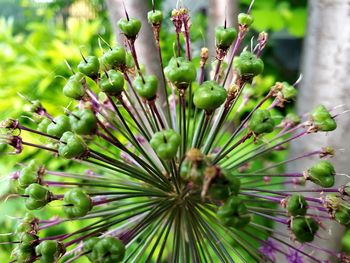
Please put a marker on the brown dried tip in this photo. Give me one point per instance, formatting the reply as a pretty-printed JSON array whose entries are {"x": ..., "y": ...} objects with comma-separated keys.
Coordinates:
[
  {"x": 194, "y": 155},
  {"x": 327, "y": 151},
  {"x": 233, "y": 91},
  {"x": 9, "y": 124},
  {"x": 204, "y": 53},
  {"x": 263, "y": 37}
]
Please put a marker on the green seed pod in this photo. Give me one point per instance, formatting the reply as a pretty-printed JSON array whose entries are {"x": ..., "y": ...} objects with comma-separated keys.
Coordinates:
[
  {"x": 224, "y": 37},
  {"x": 288, "y": 91},
  {"x": 180, "y": 72},
  {"x": 74, "y": 87},
  {"x": 50, "y": 251},
  {"x": 113, "y": 84},
  {"x": 23, "y": 227},
  {"x": 209, "y": 96},
  {"x": 28, "y": 175},
  {"x": 245, "y": 19},
  {"x": 130, "y": 27},
  {"x": 292, "y": 118},
  {"x": 42, "y": 126},
  {"x": 248, "y": 65},
  {"x": 25, "y": 256},
  {"x": 28, "y": 242},
  {"x": 297, "y": 205},
  {"x": 26, "y": 225},
  {"x": 342, "y": 214},
  {"x": 83, "y": 121},
  {"x": 77, "y": 203},
  {"x": 90, "y": 243},
  {"x": 108, "y": 250},
  {"x": 89, "y": 66},
  {"x": 234, "y": 213},
  {"x": 35, "y": 106},
  {"x": 261, "y": 122},
  {"x": 147, "y": 90},
  {"x": 322, "y": 119},
  {"x": 72, "y": 146},
  {"x": 155, "y": 17},
  {"x": 59, "y": 126},
  {"x": 304, "y": 228},
  {"x": 130, "y": 63},
  {"x": 223, "y": 187},
  {"x": 322, "y": 174},
  {"x": 38, "y": 196},
  {"x": 114, "y": 58},
  {"x": 166, "y": 144},
  {"x": 345, "y": 242}
]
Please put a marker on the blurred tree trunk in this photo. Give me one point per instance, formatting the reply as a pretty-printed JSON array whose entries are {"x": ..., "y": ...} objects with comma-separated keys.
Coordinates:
[
  {"x": 145, "y": 46},
  {"x": 326, "y": 70}
]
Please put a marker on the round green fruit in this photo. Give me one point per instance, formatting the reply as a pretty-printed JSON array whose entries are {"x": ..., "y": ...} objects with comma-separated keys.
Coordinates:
[
  {"x": 77, "y": 203},
  {"x": 89, "y": 66},
  {"x": 166, "y": 144},
  {"x": 130, "y": 27},
  {"x": 261, "y": 122},
  {"x": 155, "y": 17},
  {"x": 248, "y": 65},
  {"x": 148, "y": 89},
  {"x": 209, "y": 96},
  {"x": 112, "y": 83},
  {"x": 72, "y": 146},
  {"x": 180, "y": 72},
  {"x": 224, "y": 37}
]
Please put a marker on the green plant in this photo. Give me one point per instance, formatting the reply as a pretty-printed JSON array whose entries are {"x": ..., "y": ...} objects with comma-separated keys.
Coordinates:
[{"x": 172, "y": 180}]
